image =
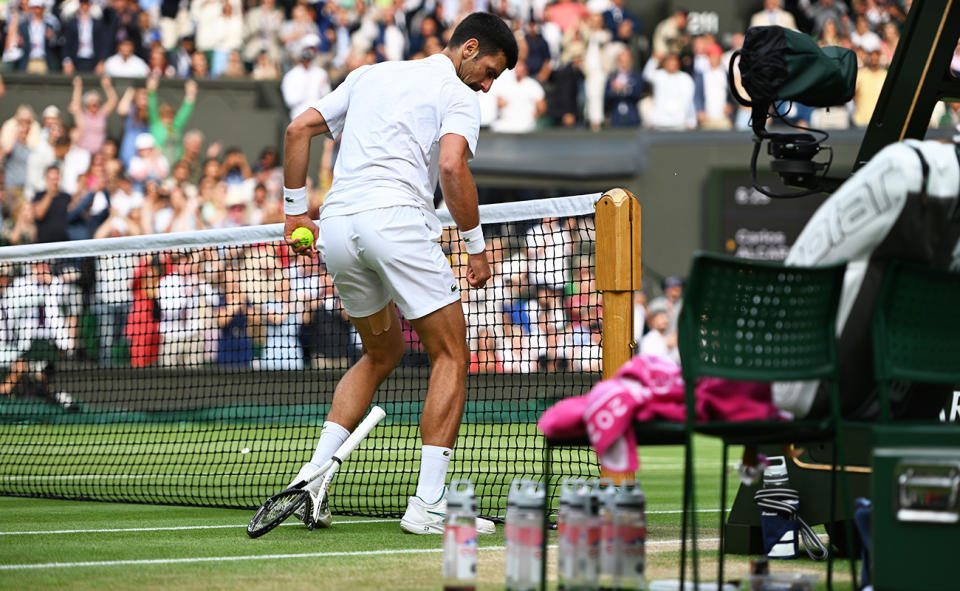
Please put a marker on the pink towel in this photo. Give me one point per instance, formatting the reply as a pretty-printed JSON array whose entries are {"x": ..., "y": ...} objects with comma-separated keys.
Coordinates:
[{"x": 649, "y": 388}]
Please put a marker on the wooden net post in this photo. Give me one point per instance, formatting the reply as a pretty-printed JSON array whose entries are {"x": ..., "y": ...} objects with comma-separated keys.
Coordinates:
[{"x": 619, "y": 274}]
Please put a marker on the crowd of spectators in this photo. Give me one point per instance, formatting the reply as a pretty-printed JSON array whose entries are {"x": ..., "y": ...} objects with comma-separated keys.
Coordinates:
[
  {"x": 261, "y": 307},
  {"x": 586, "y": 63}
]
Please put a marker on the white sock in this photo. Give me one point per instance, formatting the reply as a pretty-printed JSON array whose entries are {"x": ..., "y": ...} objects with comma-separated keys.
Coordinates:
[
  {"x": 433, "y": 472},
  {"x": 331, "y": 437}
]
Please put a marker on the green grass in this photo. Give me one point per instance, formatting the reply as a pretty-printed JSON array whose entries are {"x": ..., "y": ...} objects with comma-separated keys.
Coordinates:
[{"x": 357, "y": 553}]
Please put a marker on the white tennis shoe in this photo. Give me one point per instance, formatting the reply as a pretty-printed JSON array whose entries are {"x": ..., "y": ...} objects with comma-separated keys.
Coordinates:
[
  {"x": 316, "y": 511},
  {"x": 427, "y": 518}
]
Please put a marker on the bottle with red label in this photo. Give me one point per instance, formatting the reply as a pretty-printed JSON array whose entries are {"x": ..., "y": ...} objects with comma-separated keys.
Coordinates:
[
  {"x": 605, "y": 493},
  {"x": 567, "y": 535},
  {"x": 583, "y": 528},
  {"x": 510, "y": 535},
  {"x": 460, "y": 538},
  {"x": 630, "y": 537},
  {"x": 524, "y": 545}
]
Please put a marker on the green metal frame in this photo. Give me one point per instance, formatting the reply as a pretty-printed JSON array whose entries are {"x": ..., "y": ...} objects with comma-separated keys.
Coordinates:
[{"x": 759, "y": 322}]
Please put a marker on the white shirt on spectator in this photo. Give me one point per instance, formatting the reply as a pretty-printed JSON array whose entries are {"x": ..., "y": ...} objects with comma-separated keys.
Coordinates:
[
  {"x": 212, "y": 26},
  {"x": 162, "y": 219},
  {"x": 394, "y": 42},
  {"x": 548, "y": 248},
  {"x": 519, "y": 114},
  {"x": 37, "y": 36},
  {"x": 41, "y": 158},
  {"x": 177, "y": 296},
  {"x": 123, "y": 203},
  {"x": 715, "y": 92},
  {"x": 84, "y": 37},
  {"x": 672, "y": 97},
  {"x": 115, "y": 278},
  {"x": 25, "y": 297},
  {"x": 302, "y": 87},
  {"x": 133, "y": 67},
  {"x": 655, "y": 343},
  {"x": 75, "y": 163}
]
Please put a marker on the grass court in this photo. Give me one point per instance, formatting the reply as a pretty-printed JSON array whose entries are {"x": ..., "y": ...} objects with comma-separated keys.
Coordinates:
[{"x": 55, "y": 544}]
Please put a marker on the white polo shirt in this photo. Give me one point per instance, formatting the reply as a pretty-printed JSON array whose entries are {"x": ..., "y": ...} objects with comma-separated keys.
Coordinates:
[{"x": 392, "y": 116}]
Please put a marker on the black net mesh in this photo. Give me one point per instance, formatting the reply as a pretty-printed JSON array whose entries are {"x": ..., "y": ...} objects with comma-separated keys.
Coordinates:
[{"x": 202, "y": 375}]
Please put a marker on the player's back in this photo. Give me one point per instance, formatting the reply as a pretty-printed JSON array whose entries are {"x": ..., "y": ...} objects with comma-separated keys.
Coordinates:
[{"x": 390, "y": 134}]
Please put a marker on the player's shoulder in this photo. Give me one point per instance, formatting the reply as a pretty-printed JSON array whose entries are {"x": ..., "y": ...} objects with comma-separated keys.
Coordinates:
[
  {"x": 456, "y": 91},
  {"x": 358, "y": 73}
]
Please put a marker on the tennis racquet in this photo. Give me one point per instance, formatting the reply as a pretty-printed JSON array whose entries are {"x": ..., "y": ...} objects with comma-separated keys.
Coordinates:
[{"x": 282, "y": 505}]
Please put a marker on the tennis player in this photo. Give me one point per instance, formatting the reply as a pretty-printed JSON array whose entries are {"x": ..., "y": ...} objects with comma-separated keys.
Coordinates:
[{"x": 404, "y": 125}]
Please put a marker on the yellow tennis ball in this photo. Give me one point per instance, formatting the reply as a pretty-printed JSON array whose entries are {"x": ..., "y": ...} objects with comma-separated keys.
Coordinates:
[{"x": 303, "y": 236}]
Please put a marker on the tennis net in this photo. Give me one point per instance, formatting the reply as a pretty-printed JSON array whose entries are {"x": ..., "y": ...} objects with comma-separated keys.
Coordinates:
[{"x": 197, "y": 368}]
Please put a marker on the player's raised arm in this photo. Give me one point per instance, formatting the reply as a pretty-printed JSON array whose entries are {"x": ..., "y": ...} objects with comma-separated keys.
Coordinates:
[
  {"x": 296, "y": 158},
  {"x": 460, "y": 195}
]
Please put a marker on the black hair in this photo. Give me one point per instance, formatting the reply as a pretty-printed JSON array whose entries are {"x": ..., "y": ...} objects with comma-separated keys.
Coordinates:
[{"x": 492, "y": 34}]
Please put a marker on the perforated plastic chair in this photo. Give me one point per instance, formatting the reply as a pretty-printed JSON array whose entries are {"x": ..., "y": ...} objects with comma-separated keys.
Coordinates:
[
  {"x": 916, "y": 329},
  {"x": 761, "y": 322}
]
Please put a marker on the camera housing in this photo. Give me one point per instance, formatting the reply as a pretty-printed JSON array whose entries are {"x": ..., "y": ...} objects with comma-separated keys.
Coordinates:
[{"x": 793, "y": 155}]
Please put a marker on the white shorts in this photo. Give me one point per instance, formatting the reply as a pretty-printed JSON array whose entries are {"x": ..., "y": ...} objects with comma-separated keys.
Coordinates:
[{"x": 388, "y": 253}]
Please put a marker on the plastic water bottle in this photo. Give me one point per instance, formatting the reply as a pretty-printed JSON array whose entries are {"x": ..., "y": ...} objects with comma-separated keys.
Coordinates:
[
  {"x": 630, "y": 537},
  {"x": 566, "y": 537},
  {"x": 584, "y": 529},
  {"x": 605, "y": 491},
  {"x": 510, "y": 534},
  {"x": 460, "y": 538},
  {"x": 525, "y": 544}
]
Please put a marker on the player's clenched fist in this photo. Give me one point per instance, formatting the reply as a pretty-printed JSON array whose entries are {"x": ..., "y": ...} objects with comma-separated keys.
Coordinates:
[{"x": 478, "y": 269}]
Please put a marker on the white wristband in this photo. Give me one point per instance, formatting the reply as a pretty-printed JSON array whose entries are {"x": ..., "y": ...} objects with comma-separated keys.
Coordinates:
[
  {"x": 473, "y": 240},
  {"x": 295, "y": 201}
]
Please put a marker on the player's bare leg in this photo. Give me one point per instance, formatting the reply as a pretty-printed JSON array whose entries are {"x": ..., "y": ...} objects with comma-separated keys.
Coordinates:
[
  {"x": 382, "y": 350},
  {"x": 444, "y": 335}
]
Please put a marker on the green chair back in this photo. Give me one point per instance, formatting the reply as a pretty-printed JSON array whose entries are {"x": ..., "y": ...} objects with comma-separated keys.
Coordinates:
[
  {"x": 759, "y": 321},
  {"x": 916, "y": 328}
]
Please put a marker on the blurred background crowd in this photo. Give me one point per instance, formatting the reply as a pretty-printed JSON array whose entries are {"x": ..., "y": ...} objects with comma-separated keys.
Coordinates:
[
  {"x": 259, "y": 306},
  {"x": 585, "y": 64}
]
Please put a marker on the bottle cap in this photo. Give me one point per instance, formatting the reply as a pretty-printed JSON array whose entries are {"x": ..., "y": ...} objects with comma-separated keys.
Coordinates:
[
  {"x": 568, "y": 490},
  {"x": 577, "y": 493},
  {"x": 531, "y": 495},
  {"x": 604, "y": 493},
  {"x": 460, "y": 495},
  {"x": 513, "y": 493},
  {"x": 630, "y": 496}
]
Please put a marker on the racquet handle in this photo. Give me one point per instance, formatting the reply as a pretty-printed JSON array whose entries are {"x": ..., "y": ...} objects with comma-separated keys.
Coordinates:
[{"x": 375, "y": 415}]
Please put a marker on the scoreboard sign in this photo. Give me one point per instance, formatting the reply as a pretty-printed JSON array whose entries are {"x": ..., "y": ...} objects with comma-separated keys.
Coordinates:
[{"x": 741, "y": 221}]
